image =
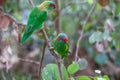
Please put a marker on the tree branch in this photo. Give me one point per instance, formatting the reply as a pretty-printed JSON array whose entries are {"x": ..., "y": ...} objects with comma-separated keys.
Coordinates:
[
  {"x": 41, "y": 61},
  {"x": 57, "y": 20},
  {"x": 60, "y": 69},
  {"x": 82, "y": 31},
  {"x": 49, "y": 45},
  {"x": 12, "y": 19},
  {"x": 31, "y": 3},
  {"x": 28, "y": 61}
]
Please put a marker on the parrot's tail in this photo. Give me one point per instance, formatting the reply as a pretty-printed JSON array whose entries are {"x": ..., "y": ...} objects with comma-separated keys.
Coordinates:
[{"x": 25, "y": 37}]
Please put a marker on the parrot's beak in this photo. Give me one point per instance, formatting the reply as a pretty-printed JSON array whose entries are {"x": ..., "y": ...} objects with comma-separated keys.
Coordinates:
[{"x": 54, "y": 6}]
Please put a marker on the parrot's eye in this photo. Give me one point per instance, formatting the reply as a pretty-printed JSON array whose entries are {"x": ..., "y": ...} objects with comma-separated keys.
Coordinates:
[
  {"x": 58, "y": 38},
  {"x": 53, "y": 5},
  {"x": 65, "y": 39}
]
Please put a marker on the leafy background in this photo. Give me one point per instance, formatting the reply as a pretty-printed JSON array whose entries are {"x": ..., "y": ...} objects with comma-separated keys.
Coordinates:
[{"x": 99, "y": 47}]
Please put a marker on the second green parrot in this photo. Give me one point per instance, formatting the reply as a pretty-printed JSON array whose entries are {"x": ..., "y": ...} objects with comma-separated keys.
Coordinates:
[
  {"x": 36, "y": 18},
  {"x": 61, "y": 45}
]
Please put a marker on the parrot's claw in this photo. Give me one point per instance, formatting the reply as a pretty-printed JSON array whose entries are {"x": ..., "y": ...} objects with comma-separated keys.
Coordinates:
[{"x": 51, "y": 48}]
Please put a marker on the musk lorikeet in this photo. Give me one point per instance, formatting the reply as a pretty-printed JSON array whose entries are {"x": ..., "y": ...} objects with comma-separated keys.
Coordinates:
[
  {"x": 36, "y": 19},
  {"x": 61, "y": 45}
]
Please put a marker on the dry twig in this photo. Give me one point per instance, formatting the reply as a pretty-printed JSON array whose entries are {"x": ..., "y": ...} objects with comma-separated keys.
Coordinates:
[
  {"x": 57, "y": 20},
  {"x": 41, "y": 61},
  {"x": 31, "y": 3},
  {"x": 28, "y": 61},
  {"x": 82, "y": 31},
  {"x": 14, "y": 20}
]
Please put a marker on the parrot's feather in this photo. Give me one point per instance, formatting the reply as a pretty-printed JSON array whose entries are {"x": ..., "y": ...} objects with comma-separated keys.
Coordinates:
[
  {"x": 25, "y": 37},
  {"x": 35, "y": 21},
  {"x": 61, "y": 47},
  {"x": 36, "y": 18}
]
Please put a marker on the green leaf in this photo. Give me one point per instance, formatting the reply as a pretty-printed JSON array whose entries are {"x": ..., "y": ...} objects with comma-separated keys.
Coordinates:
[
  {"x": 96, "y": 36},
  {"x": 98, "y": 7},
  {"x": 82, "y": 63},
  {"x": 92, "y": 39},
  {"x": 105, "y": 34},
  {"x": 117, "y": 62},
  {"x": 101, "y": 58},
  {"x": 83, "y": 78},
  {"x": 117, "y": 9},
  {"x": 105, "y": 77},
  {"x": 73, "y": 68},
  {"x": 118, "y": 44},
  {"x": 72, "y": 78},
  {"x": 3, "y": 76},
  {"x": 90, "y": 1},
  {"x": 17, "y": 15},
  {"x": 87, "y": 27},
  {"x": 51, "y": 72}
]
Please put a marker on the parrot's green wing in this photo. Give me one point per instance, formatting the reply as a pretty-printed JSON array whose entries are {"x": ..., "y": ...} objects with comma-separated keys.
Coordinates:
[
  {"x": 61, "y": 47},
  {"x": 36, "y": 18},
  {"x": 35, "y": 21},
  {"x": 66, "y": 49},
  {"x": 65, "y": 52}
]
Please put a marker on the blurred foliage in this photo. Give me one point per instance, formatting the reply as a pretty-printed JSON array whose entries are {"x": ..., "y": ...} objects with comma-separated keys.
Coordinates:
[
  {"x": 51, "y": 72},
  {"x": 103, "y": 25},
  {"x": 6, "y": 76},
  {"x": 73, "y": 68}
]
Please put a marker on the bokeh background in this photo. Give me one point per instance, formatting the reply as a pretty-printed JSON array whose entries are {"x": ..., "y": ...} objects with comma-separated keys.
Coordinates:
[{"x": 99, "y": 47}]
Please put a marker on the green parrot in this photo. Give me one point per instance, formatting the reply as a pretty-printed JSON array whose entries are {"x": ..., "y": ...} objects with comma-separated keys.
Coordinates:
[
  {"x": 61, "y": 45},
  {"x": 36, "y": 19}
]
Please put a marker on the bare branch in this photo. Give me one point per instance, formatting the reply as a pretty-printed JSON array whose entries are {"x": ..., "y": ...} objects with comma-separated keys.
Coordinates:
[
  {"x": 82, "y": 31},
  {"x": 60, "y": 69},
  {"x": 12, "y": 19},
  {"x": 49, "y": 45},
  {"x": 31, "y": 3},
  {"x": 41, "y": 61},
  {"x": 28, "y": 61},
  {"x": 71, "y": 3},
  {"x": 57, "y": 20}
]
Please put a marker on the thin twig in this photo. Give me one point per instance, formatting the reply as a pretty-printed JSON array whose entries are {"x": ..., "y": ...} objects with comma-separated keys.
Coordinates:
[
  {"x": 41, "y": 61},
  {"x": 31, "y": 3},
  {"x": 82, "y": 31},
  {"x": 12, "y": 19},
  {"x": 60, "y": 69},
  {"x": 57, "y": 20},
  {"x": 28, "y": 61},
  {"x": 71, "y": 3},
  {"x": 49, "y": 45}
]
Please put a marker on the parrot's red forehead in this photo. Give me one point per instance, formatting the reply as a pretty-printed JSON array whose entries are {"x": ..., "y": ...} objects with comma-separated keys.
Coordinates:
[
  {"x": 64, "y": 39},
  {"x": 53, "y": 5}
]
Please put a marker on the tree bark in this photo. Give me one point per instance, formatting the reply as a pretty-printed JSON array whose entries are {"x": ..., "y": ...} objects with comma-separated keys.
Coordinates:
[{"x": 57, "y": 20}]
